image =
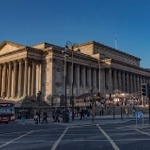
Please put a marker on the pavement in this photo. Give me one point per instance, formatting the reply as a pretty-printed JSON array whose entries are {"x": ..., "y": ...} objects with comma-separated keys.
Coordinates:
[{"x": 105, "y": 119}]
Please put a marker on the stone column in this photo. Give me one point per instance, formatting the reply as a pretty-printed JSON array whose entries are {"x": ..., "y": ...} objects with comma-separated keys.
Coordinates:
[
  {"x": 99, "y": 77},
  {"x": 123, "y": 78},
  {"x": 104, "y": 82},
  {"x": 25, "y": 77},
  {"x": 29, "y": 80},
  {"x": 9, "y": 80},
  {"x": 40, "y": 69},
  {"x": 135, "y": 83},
  {"x": 94, "y": 79},
  {"x": 138, "y": 84},
  {"x": 4, "y": 81},
  {"x": 84, "y": 79},
  {"x": 20, "y": 85},
  {"x": 70, "y": 77},
  {"x": 115, "y": 80},
  {"x": 33, "y": 80},
  {"x": 128, "y": 84},
  {"x": 78, "y": 80},
  {"x": 89, "y": 78},
  {"x": 119, "y": 80},
  {"x": 38, "y": 78},
  {"x": 14, "y": 79},
  {"x": 131, "y": 83},
  {"x": 110, "y": 80},
  {"x": 141, "y": 81}
]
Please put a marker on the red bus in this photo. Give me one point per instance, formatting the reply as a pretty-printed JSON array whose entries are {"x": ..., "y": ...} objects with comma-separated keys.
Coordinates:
[{"x": 7, "y": 112}]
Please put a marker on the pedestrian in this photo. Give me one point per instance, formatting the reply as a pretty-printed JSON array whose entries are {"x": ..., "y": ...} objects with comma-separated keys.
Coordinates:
[
  {"x": 53, "y": 114},
  {"x": 44, "y": 117},
  {"x": 57, "y": 113},
  {"x": 70, "y": 115},
  {"x": 23, "y": 117},
  {"x": 133, "y": 110},
  {"x": 81, "y": 114},
  {"x": 36, "y": 118},
  {"x": 127, "y": 112}
]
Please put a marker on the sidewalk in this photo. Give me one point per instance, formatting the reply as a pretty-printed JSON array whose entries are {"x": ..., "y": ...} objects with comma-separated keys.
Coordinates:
[{"x": 105, "y": 119}]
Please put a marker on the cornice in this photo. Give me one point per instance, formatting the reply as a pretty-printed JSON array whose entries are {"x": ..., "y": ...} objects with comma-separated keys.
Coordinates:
[{"x": 130, "y": 66}]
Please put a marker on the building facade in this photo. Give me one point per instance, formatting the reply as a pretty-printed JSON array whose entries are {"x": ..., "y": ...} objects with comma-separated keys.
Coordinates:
[{"x": 25, "y": 70}]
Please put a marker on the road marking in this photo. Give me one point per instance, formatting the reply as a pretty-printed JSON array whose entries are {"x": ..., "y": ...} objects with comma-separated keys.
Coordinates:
[
  {"x": 108, "y": 137},
  {"x": 59, "y": 140},
  {"x": 142, "y": 132},
  {"x": 7, "y": 143},
  {"x": 120, "y": 140},
  {"x": 84, "y": 125}
]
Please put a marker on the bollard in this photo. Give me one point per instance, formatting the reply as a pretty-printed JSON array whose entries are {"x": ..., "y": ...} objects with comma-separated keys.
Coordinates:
[
  {"x": 121, "y": 114},
  {"x": 113, "y": 112}
]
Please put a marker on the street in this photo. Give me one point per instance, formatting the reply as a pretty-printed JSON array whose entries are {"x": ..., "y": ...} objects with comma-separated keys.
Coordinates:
[{"x": 105, "y": 135}]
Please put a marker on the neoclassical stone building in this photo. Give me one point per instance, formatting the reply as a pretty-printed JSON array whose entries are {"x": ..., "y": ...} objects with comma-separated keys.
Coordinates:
[{"x": 25, "y": 70}]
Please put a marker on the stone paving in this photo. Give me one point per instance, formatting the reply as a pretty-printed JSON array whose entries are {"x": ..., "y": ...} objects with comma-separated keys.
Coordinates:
[{"x": 106, "y": 119}]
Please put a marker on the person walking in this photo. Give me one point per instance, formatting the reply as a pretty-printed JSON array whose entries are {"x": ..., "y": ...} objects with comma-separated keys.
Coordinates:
[
  {"x": 81, "y": 114},
  {"x": 36, "y": 118},
  {"x": 44, "y": 117},
  {"x": 23, "y": 117},
  {"x": 133, "y": 110},
  {"x": 127, "y": 112},
  {"x": 57, "y": 116},
  {"x": 53, "y": 114}
]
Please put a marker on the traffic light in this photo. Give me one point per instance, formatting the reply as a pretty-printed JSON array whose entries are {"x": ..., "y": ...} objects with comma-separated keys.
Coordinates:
[
  {"x": 144, "y": 89},
  {"x": 148, "y": 91}
]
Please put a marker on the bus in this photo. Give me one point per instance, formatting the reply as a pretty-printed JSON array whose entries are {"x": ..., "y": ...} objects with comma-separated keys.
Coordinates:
[{"x": 7, "y": 112}]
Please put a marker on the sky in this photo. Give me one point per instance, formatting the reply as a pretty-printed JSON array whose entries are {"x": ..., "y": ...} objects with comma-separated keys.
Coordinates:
[{"x": 30, "y": 22}]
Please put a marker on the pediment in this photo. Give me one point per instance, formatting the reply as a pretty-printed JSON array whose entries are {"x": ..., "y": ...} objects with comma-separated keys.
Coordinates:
[{"x": 8, "y": 47}]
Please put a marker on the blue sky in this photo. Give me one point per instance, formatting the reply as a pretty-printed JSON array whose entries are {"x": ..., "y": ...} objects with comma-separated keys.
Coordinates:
[{"x": 30, "y": 22}]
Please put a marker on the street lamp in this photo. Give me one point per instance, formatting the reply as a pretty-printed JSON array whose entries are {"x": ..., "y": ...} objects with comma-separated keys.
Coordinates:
[
  {"x": 39, "y": 102},
  {"x": 99, "y": 68},
  {"x": 71, "y": 46},
  {"x": 113, "y": 105},
  {"x": 93, "y": 105},
  {"x": 65, "y": 117}
]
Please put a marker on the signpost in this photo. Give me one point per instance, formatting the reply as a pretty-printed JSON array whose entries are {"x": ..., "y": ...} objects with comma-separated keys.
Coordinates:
[
  {"x": 139, "y": 116},
  {"x": 145, "y": 91}
]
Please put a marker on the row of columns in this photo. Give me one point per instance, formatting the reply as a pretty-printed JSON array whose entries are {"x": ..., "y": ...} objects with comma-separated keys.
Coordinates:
[
  {"x": 125, "y": 81},
  {"x": 110, "y": 80},
  {"x": 85, "y": 78},
  {"x": 20, "y": 78}
]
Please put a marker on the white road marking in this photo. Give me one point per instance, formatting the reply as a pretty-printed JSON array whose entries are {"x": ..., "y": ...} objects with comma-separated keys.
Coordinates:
[
  {"x": 59, "y": 140},
  {"x": 19, "y": 132},
  {"x": 142, "y": 132},
  {"x": 7, "y": 143},
  {"x": 109, "y": 139}
]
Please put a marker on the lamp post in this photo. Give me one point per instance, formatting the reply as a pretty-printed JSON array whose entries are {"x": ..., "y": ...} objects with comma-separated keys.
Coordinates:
[
  {"x": 99, "y": 68},
  {"x": 65, "y": 119},
  {"x": 70, "y": 45},
  {"x": 93, "y": 105},
  {"x": 39, "y": 102},
  {"x": 114, "y": 108}
]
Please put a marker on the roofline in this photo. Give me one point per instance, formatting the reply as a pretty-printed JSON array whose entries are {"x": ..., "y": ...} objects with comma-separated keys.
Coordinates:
[
  {"x": 43, "y": 43},
  {"x": 116, "y": 50},
  {"x": 6, "y": 41}
]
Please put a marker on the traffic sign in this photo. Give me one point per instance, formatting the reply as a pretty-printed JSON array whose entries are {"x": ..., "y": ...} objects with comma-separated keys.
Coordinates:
[{"x": 139, "y": 115}]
